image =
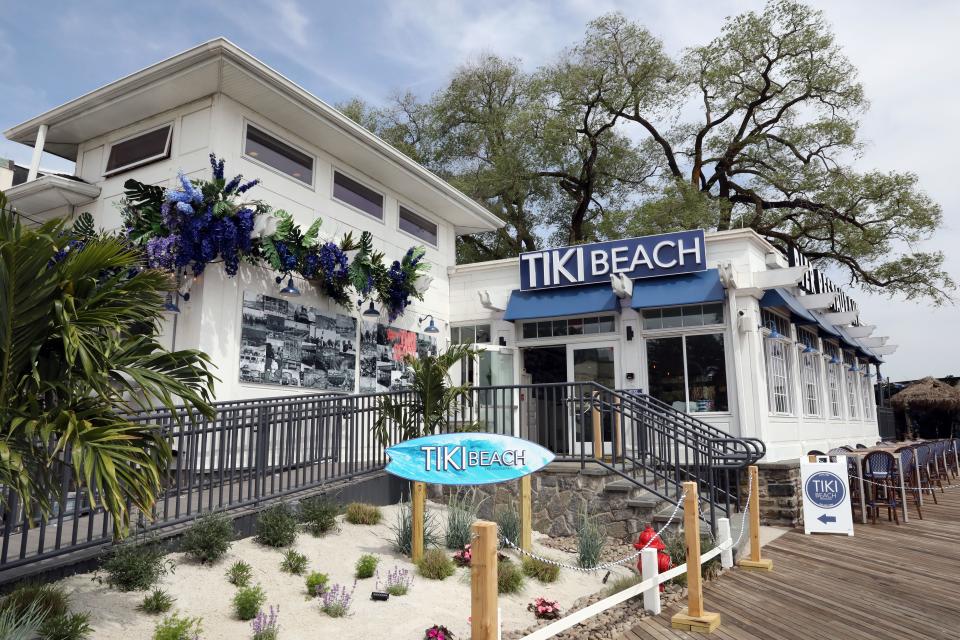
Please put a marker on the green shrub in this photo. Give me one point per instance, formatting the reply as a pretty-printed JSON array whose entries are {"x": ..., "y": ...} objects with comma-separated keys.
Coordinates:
[
  {"x": 159, "y": 601},
  {"x": 247, "y": 602},
  {"x": 461, "y": 514},
  {"x": 509, "y": 577},
  {"x": 70, "y": 626},
  {"x": 363, "y": 513},
  {"x": 49, "y": 606},
  {"x": 319, "y": 514},
  {"x": 623, "y": 582},
  {"x": 436, "y": 565},
  {"x": 591, "y": 538},
  {"x": 239, "y": 574},
  {"x": 20, "y": 625},
  {"x": 366, "y": 566},
  {"x": 293, "y": 562},
  {"x": 542, "y": 571},
  {"x": 316, "y": 580},
  {"x": 48, "y": 600},
  {"x": 173, "y": 627},
  {"x": 277, "y": 526},
  {"x": 508, "y": 524},
  {"x": 403, "y": 530},
  {"x": 676, "y": 546},
  {"x": 209, "y": 537},
  {"x": 136, "y": 565}
]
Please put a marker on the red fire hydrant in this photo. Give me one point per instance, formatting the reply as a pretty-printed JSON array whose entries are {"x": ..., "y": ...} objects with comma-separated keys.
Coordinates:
[{"x": 650, "y": 536}]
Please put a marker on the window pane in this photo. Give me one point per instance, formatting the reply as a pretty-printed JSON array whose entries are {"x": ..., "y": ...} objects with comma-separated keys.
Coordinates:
[
  {"x": 591, "y": 326},
  {"x": 483, "y": 333},
  {"x": 454, "y": 335},
  {"x": 692, "y": 316},
  {"x": 278, "y": 155},
  {"x": 418, "y": 226},
  {"x": 712, "y": 313},
  {"x": 665, "y": 371},
  {"x": 606, "y": 324},
  {"x": 529, "y": 330},
  {"x": 559, "y": 327},
  {"x": 467, "y": 335},
  {"x": 544, "y": 329},
  {"x": 353, "y": 193},
  {"x": 651, "y": 319},
  {"x": 575, "y": 326},
  {"x": 134, "y": 151},
  {"x": 707, "y": 373},
  {"x": 672, "y": 318}
]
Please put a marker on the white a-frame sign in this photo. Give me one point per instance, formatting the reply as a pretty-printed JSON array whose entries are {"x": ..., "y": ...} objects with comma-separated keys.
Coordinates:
[{"x": 826, "y": 495}]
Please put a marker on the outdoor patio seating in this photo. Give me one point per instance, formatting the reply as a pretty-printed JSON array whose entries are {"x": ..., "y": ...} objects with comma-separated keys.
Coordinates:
[
  {"x": 880, "y": 468},
  {"x": 908, "y": 458},
  {"x": 924, "y": 458}
]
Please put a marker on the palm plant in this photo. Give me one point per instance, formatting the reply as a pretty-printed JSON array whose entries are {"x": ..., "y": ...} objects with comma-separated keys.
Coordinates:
[
  {"x": 79, "y": 319},
  {"x": 435, "y": 399}
]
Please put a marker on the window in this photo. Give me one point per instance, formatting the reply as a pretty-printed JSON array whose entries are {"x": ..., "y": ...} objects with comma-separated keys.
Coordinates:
[
  {"x": 834, "y": 366},
  {"x": 139, "y": 150},
  {"x": 351, "y": 192},
  {"x": 778, "y": 365},
  {"x": 593, "y": 325},
  {"x": 868, "y": 397},
  {"x": 278, "y": 155},
  {"x": 471, "y": 334},
  {"x": 418, "y": 226},
  {"x": 688, "y": 372},
  {"x": 695, "y": 315},
  {"x": 852, "y": 388},
  {"x": 810, "y": 373}
]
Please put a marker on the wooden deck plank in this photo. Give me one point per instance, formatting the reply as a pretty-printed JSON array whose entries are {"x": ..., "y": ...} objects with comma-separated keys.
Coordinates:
[{"x": 887, "y": 582}]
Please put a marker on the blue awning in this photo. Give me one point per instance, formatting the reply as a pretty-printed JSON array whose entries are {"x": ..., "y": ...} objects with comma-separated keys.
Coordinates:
[
  {"x": 673, "y": 291},
  {"x": 783, "y": 299},
  {"x": 564, "y": 301}
]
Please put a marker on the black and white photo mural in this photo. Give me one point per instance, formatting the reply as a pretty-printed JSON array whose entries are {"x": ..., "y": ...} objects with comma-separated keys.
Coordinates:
[
  {"x": 290, "y": 344},
  {"x": 382, "y": 349}
]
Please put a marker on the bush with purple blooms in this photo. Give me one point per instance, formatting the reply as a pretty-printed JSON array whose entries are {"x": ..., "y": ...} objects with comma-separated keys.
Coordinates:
[
  {"x": 397, "y": 582},
  {"x": 266, "y": 626},
  {"x": 402, "y": 278},
  {"x": 336, "y": 601}
]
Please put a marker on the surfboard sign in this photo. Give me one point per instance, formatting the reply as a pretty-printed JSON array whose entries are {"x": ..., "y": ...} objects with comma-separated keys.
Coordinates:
[{"x": 466, "y": 458}]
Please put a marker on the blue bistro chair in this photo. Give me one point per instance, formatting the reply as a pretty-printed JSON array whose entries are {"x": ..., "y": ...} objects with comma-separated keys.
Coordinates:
[
  {"x": 851, "y": 474},
  {"x": 880, "y": 468},
  {"x": 953, "y": 451},
  {"x": 908, "y": 458},
  {"x": 924, "y": 458},
  {"x": 940, "y": 448}
]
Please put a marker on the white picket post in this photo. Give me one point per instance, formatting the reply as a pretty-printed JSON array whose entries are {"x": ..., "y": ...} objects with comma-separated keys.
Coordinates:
[
  {"x": 724, "y": 538},
  {"x": 650, "y": 569}
]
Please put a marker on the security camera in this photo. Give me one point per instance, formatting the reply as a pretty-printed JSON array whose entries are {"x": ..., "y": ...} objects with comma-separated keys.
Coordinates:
[{"x": 741, "y": 313}]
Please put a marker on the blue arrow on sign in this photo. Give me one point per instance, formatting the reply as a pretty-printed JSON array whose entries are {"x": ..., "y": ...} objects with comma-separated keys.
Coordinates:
[{"x": 825, "y": 519}]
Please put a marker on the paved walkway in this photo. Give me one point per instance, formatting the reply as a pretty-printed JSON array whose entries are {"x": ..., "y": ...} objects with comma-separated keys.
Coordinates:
[{"x": 887, "y": 582}]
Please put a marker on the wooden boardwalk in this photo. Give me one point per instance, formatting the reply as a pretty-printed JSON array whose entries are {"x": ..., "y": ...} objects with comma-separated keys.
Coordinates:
[{"x": 887, "y": 582}]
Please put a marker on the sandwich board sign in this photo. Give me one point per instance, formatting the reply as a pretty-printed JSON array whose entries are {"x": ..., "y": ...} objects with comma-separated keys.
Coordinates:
[
  {"x": 466, "y": 458},
  {"x": 826, "y": 495}
]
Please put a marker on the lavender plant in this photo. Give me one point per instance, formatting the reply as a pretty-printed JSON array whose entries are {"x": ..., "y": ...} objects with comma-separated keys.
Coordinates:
[
  {"x": 397, "y": 582},
  {"x": 336, "y": 601},
  {"x": 266, "y": 626}
]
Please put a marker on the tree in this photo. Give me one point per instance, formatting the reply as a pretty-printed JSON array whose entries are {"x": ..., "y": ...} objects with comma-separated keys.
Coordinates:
[{"x": 79, "y": 354}]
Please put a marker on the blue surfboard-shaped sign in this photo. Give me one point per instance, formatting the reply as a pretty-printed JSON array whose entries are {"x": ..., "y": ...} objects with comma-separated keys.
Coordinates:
[{"x": 466, "y": 458}]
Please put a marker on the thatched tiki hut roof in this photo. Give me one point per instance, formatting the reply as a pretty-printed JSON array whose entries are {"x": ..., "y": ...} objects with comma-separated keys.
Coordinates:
[{"x": 928, "y": 394}]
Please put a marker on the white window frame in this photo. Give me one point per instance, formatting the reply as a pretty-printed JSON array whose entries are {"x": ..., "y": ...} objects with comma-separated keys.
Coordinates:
[
  {"x": 334, "y": 170},
  {"x": 167, "y": 149},
  {"x": 267, "y": 130},
  {"x": 835, "y": 389},
  {"x": 810, "y": 379},
  {"x": 678, "y": 332},
  {"x": 853, "y": 390},
  {"x": 866, "y": 390},
  {"x": 416, "y": 212},
  {"x": 775, "y": 353}
]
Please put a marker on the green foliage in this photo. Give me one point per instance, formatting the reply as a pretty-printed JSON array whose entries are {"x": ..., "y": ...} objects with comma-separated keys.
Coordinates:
[
  {"x": 436, "y": 565},
  {"x": 78, "y": 329},
  {"x": 49, "y": 600},
  {"x": 174, "y": 627},
  {"x": 509, "y": 577},
  {"x": 209, "y": 537},
  {"x": 366, "y": 566},
  {"x": 623, "y": 582},
  {"x": 277, "y": 526},
  {"x": 461, "y": 514},
  {"x": 15, "y": 625},
  {"x": 316, "y": 580},
  {"x": 247, "y": 602},
  {"x": 293, "y": 562},
  {"x": 434, "y": 403},
  {"x": 362, "y": 513},
  {"x": 239, "y": 574},
  {"x": 402, "y": 530},
  {"x": 677, "y": 548},
  {"x": 44, "y": 609},
  {"x": 158, "y": 601},
  {"x": 542, "y": 571},
  {"x": 71, "y": 626},
  {"x": 591, "y": 538},
  {"x": 508, "y": 523},
  {"x": 135, "y": 564},
  {"x": 319, "y": 514}
]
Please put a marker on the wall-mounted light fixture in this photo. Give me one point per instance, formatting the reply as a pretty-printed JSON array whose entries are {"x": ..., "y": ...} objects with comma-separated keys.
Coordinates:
[{"x": 432, "y": 327}]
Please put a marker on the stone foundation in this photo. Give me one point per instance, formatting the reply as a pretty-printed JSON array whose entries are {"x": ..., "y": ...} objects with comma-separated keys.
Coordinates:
[{"x": 781, "y": 494}]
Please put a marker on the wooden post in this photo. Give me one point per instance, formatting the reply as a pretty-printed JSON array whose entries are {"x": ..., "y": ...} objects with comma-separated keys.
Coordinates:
[
  {"x": 483, "y": 582},
  {"x": 597, "y": 427},
  {"x": 755, "y": 562},
  {"x": 526, "y": 514},
  {"x": 724, "y": 537},
  {"x": 419, "y": 500},
  {"x": 649, "y": 568},
  {"x": 694, "y": 618}
]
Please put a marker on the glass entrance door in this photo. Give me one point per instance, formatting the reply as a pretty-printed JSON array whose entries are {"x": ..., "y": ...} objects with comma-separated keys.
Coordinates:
[{"x": 593, "y": 362}]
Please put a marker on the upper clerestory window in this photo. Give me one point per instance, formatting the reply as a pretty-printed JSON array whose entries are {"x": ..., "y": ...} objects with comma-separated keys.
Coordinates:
[
  {"x": 278, "y": 154},
  {"x": 139, "y": 150}
]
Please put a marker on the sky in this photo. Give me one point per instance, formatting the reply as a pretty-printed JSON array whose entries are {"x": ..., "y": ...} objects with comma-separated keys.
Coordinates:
[{"x": 908, "y": 55}]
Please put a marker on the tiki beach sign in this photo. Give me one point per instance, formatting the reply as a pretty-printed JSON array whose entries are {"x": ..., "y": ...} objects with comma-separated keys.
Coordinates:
[{"x": 466, "y": 458}]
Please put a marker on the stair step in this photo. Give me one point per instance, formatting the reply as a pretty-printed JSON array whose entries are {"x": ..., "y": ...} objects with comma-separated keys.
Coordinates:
[
  {"x": 648, "y": 501},
  {"x": 621, "y": 486}
]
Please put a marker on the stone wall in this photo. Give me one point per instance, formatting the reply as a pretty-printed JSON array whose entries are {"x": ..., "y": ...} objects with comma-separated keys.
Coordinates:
[{"x": 781, "y": 494}]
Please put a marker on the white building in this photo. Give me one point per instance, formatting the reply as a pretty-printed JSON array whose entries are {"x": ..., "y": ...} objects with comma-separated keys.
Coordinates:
[{"x": 741, "y": 336}]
